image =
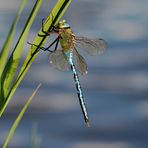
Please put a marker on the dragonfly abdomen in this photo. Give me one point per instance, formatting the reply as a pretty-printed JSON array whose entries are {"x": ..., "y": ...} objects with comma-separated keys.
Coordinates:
[{"x": 69, "y": 56}]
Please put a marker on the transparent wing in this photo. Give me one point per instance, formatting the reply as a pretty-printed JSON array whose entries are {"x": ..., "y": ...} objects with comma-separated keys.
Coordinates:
[
  {"x": 58, "y": 60},
  {"x": 79, "y": 62},
  {"x": 92, "y": 46}
]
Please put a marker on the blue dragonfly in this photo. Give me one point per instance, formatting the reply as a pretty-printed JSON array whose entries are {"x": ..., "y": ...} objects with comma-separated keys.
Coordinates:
[{"x": 68, "y": 58}]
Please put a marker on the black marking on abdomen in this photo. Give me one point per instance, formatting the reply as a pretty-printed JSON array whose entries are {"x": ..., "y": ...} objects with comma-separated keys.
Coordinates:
[{"x": 80, "y": 94}]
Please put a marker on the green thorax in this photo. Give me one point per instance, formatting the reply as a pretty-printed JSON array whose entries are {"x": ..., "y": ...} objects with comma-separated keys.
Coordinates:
[{"x": 66, "y": 39}]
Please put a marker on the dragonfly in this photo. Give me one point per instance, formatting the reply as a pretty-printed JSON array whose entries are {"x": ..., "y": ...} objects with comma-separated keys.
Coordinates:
[{"x": 68, "y": 58}]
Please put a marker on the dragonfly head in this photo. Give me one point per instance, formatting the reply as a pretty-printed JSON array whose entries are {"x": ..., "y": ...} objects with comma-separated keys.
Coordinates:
[{"x": 63, "y": 25}]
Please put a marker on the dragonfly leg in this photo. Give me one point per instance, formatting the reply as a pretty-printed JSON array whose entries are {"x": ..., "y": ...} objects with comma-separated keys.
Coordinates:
[
  {"x": 47, "y": 33},
  {"x": 55, "y": 41},
  {"x": 47, "y": 48},
  {"x": 42, "y": 48}
]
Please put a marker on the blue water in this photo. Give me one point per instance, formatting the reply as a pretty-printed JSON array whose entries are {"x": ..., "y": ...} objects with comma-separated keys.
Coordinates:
[{"x": 115, "y": 89}]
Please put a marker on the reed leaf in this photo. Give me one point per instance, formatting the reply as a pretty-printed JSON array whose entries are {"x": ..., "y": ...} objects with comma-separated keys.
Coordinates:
[
  {"x": 52, "y": 19},
  {"x": 5, "y": 50},
  {"x": 19, "y": 117},
  {"x": 12, "y": 63}
]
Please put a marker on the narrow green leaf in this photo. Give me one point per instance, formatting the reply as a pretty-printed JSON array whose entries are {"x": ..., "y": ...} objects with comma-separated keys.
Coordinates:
[
  {"x": 6, "y": 47},
  {"x": 53, "y": 18},
  {"x": 18, "y": 119},
  {"x": 5, "y": 50},
  {"x": 12, "y": 64}
]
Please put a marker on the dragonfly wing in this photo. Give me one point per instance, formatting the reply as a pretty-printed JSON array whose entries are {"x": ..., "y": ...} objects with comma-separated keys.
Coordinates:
[
  {"x": 58, "y": 60},
  {"x": 79, "y": 62},
  {"x": 92, "y": 46}
]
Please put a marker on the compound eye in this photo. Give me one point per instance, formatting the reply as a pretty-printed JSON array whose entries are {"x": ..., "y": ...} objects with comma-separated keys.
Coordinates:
[{"x": 63, "y": 24}]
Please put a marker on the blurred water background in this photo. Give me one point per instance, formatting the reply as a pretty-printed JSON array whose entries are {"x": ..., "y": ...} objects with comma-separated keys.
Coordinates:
[{"x": 115, "y": 89}]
